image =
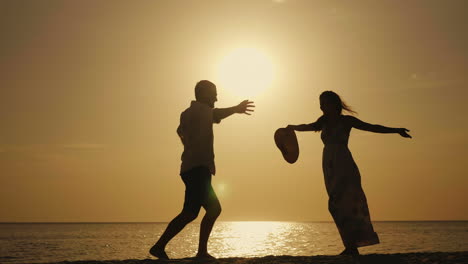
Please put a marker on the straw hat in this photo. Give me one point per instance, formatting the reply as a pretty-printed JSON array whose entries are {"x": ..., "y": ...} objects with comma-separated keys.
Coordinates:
[{"x": 286, "y": 141}]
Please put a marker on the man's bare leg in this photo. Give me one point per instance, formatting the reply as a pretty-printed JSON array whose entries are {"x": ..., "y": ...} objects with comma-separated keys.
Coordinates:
[
  {"x": 206, "y": 226},
  {"x": 174, "y": 227}
]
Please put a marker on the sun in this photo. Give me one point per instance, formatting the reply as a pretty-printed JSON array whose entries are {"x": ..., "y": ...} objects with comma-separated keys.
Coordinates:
[{"x": 245, "y": 72}]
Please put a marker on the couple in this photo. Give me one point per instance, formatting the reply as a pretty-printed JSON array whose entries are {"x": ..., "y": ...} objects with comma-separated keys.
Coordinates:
[{"x": 347, "y": 201}]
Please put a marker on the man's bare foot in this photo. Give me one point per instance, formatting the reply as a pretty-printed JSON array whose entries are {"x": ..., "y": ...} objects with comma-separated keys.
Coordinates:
[
  {"x": 205, "y": 256},
  {"x": 158, "y": 252}
]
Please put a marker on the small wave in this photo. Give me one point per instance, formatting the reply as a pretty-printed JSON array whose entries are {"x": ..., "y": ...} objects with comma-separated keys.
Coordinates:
[{"x": 7, "y": 257}]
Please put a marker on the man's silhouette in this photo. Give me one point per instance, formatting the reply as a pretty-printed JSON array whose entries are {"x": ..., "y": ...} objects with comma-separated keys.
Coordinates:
[{"x": 196, "y": 132}]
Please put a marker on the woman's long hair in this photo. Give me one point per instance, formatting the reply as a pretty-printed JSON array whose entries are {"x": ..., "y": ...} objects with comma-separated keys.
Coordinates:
[{"x": 335, "y": 99}]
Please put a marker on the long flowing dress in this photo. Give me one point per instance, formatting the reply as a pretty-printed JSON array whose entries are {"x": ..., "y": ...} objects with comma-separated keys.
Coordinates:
[{"x": 347, "y": 201}]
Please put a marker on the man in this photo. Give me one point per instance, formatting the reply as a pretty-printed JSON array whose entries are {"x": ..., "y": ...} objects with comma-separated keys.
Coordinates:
[{"x": 196, "y": 132}]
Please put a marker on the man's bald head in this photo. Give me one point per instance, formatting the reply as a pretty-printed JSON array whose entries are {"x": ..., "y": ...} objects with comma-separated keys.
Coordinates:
[{"x": 205, "y": 92}]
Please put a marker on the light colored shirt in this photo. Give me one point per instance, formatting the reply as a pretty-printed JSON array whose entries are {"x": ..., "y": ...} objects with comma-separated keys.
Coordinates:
[{"x": 196, "y": 132}]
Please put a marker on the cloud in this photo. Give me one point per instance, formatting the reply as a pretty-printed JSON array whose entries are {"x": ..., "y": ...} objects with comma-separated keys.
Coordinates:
[
  {"x": 426, "y": 80},
  {"x": 17, "y": 148},
  {"x": 83, "y": 146},
  {"x": 21, "y": 153},
  {"x": 46, "y": 148}
]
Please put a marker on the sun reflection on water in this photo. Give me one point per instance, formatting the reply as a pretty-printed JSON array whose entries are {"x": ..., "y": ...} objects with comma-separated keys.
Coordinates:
[
  {"x": 247, "y": 238},
  {"x": 255, "y": 238}
]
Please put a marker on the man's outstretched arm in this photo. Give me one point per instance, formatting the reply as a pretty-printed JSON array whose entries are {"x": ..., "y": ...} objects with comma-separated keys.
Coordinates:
[{"x": 245, "y": 107}]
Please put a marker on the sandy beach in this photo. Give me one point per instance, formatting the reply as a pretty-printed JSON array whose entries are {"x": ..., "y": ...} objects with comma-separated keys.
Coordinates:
[{"x": 406, "y": 258}]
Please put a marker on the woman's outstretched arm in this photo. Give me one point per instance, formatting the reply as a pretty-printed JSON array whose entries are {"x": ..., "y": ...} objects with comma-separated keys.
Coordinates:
[
  {"x": 356, "y": 123},
  {"x": 316, "y": 126}
]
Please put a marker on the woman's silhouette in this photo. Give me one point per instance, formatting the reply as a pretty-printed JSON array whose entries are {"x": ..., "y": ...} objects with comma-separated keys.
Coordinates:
[{"x": 347, "y": 201}]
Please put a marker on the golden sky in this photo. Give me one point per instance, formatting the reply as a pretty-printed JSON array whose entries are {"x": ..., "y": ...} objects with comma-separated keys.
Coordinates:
[{"x": 91, "y": 93}]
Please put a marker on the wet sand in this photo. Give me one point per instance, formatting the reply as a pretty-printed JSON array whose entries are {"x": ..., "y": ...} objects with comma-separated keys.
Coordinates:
[{"x": 404, "y": 258}]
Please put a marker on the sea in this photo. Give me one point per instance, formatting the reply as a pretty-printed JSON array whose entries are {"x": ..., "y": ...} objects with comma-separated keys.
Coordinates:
[{"x": 55, "y": 242}]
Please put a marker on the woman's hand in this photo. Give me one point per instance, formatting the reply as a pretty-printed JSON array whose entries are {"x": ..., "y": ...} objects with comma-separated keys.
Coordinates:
[{"x": 402, "y": 132}]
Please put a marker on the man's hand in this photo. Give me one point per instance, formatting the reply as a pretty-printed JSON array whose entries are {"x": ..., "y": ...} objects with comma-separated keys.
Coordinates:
[{"x": 245, "y": 107}]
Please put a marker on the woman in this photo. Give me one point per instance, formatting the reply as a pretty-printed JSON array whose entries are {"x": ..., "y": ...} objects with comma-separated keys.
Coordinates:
[{"x": 347, "y": 201}]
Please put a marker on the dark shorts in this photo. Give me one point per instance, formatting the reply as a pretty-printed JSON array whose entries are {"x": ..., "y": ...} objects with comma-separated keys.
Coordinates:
[{"x": 198, "y": 190}]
